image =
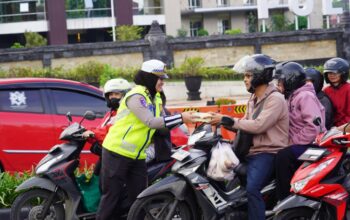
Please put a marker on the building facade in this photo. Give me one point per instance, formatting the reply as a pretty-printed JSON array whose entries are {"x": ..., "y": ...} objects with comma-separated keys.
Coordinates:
[{"x": 75, "y": 21}]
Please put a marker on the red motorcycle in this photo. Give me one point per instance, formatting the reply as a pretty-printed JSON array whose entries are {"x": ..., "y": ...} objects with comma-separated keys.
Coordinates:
[{"x": 321, "y": 184}]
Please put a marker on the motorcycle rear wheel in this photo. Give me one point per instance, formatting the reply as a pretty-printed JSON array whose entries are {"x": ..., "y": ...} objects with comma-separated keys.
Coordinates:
[
  {"x": 295, "y": 214},
  {"x": 29, "y": 205},
  {"x": 157, "y": 207}
]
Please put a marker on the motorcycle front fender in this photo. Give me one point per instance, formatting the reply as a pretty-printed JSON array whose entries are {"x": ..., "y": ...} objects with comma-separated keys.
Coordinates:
[
  {"x": 36, "y": 182},
  {"x": 173, "y": 184},
  {"x": 294, "y": 201}
]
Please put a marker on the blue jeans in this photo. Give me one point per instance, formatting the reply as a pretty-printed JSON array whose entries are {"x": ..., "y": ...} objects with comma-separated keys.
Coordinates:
[{"x": 260, "y": 168}]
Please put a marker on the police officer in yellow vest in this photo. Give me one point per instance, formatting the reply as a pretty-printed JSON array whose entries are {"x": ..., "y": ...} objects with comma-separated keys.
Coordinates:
[{"x": 123, "y": 155}]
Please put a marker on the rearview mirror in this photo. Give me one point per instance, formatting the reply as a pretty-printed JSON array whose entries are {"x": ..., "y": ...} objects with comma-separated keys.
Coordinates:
[
  {"x": 69, "y": 116},
  {"x": 90, "y": 115}
]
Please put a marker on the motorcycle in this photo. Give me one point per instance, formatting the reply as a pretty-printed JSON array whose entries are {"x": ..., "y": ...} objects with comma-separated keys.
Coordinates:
[
  {"x": 53, "y": 192},
  {"x": 321, "y": 184},
  {"x": 188, "y": 193}
]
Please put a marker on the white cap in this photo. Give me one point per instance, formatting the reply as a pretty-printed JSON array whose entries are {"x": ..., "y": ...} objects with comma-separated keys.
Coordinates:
[{"x": 156, "y": 67}]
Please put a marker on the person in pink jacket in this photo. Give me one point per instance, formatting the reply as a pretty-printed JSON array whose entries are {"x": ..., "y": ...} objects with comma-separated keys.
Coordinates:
[{"x": 304, "y": 107}]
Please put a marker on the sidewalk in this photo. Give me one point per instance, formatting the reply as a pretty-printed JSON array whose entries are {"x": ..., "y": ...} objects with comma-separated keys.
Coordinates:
[
  {"x": 241, "y": 99},
  {"x": 176, "y": 92}
]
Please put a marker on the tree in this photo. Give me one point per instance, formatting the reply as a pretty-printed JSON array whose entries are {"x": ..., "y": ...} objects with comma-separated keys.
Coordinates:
[
  {"x": 181, "y": 32},
  {"x": 202, "y": 32},
  {"x": 34, "y": 39},
  {"x": 252, "y": 22},
  {"x": 280, "y": 23},
  {"x": 128, "y": 32}
]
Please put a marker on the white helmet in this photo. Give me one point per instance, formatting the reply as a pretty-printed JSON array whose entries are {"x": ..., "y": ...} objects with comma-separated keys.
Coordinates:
[
  {"x": 116, "y": 85},
  {"x": 155, "y": 67}
]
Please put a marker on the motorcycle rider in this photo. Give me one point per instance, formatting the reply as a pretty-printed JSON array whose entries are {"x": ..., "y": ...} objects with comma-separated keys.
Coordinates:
[
  {"x": 139, "y": 115},
  {"x": 316, "y": 78},
  {"x": 114, "y": 90},
  {"x": 336, "y": 71},
  {"x": 270, "y": 127},
  {"x": 304, "y": 107}
]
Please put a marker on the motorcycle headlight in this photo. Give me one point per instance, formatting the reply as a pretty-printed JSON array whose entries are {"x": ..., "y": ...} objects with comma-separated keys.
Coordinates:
[
  {"x": 299, "y": 185},
  {"x": 44, "y": 167}
]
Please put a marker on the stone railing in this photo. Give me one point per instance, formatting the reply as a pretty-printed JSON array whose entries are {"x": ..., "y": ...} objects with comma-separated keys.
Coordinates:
[{"x": 306, "y": 46}]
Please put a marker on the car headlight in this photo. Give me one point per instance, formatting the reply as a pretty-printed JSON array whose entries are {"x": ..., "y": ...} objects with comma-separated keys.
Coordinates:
[{"x": 299, "y": 185}]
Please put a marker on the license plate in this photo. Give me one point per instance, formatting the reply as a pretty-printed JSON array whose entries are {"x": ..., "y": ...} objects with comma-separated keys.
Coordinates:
[
  {"x": 312, "y": 154},
  {"x": 180, "y": 154}
]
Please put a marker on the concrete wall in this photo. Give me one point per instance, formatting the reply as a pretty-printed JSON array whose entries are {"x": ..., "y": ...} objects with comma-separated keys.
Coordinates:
[
  {"x": 172, "y": 17},
  {"x": 310, "y": 46}
]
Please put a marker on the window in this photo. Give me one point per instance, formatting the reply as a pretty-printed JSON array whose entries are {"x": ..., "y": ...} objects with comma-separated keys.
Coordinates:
[
  {"x": 223, "y": 25},
  {"x": 21, "y": 101},
  {"x": 221, "y": 3},
  {"x": 194, "y": 3},
  {"x": 194, "y": 27},
  {"x": 248, "y": 2},
  {"x": 78, "y": 103}
]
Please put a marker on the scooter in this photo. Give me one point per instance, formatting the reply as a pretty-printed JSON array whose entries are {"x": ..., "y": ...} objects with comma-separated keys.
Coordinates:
[
  {"x": 188, "y": 194},
  {"x": 53, "y": 192},
  {"x": 321, "y": 184}
]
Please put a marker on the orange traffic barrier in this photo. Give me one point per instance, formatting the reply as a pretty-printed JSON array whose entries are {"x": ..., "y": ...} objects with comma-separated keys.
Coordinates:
[{"x": 236, "y": 111}]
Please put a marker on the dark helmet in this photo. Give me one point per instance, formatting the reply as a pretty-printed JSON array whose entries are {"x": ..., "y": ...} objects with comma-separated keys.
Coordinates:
[
  {"x": 292, "y": 76},
  {"x": 336, "y": 65},
  {"x": 260, "y": 65},
  {"x": 316, "y": 77}
]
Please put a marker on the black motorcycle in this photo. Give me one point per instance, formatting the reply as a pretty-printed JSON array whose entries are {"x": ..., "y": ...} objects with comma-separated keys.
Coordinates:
[
  {"x": 190, "y": 194},
  {"x": 53, "y": 193}
]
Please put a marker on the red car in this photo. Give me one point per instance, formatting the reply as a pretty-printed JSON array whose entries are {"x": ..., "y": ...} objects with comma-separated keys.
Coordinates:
[{"x": 32, "y": 116}]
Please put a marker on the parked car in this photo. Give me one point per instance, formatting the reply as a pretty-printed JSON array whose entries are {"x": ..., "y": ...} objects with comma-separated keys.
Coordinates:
[{"x": 32, "y": 115}]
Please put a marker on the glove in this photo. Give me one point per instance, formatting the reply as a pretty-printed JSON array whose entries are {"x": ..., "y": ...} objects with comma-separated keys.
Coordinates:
[{"x": 227, "y": 121}]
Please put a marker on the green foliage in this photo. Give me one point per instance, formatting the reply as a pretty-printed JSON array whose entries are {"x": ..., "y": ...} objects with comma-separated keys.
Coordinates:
[
  {"x": 225, "y": 101},
  {"x": 88, "y": 72},
  {"x": 181, "y": 32},
  {"x": 302, "y": 23},
  {"x": 111, "y": 73},
  {"x": 34, "y": 39},
  {"x": 17, "y": 45},
  {"x": 192, "y": 66},
  {"x": 8, "y": 184},
  {"x": 202, "y": 32},
  {"x": 128, "y": 32},
  {"x": 233, "y": 31},
  {"x": 217, "y": 73},
  {"x": 252, "y": 22},
  {"x": 280, "y": 23}
]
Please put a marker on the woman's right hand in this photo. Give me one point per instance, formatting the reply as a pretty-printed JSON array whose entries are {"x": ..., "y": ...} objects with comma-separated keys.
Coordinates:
[{"x": 189, "y": 117}]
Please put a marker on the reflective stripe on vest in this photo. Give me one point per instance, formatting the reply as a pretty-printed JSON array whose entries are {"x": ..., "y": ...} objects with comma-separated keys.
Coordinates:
[{"x": 129, "y": 136}]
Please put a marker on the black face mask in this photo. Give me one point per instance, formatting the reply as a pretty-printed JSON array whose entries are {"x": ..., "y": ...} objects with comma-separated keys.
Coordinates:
[{"x": 113, "y": 103}]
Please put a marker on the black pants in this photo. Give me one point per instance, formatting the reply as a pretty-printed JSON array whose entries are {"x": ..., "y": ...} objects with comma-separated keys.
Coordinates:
[
  {"x": 118, "y": 171},
  {"x": 286, "y": 164}
]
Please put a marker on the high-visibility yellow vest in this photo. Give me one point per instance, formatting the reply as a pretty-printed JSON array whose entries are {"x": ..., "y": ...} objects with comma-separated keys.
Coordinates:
[{"x": 129, "y": 136}]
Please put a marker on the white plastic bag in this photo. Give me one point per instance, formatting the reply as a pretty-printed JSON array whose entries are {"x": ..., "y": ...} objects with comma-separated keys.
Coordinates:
[
  {"x": 222, "y": 162},
  {"x": 150, "y": 152}
]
